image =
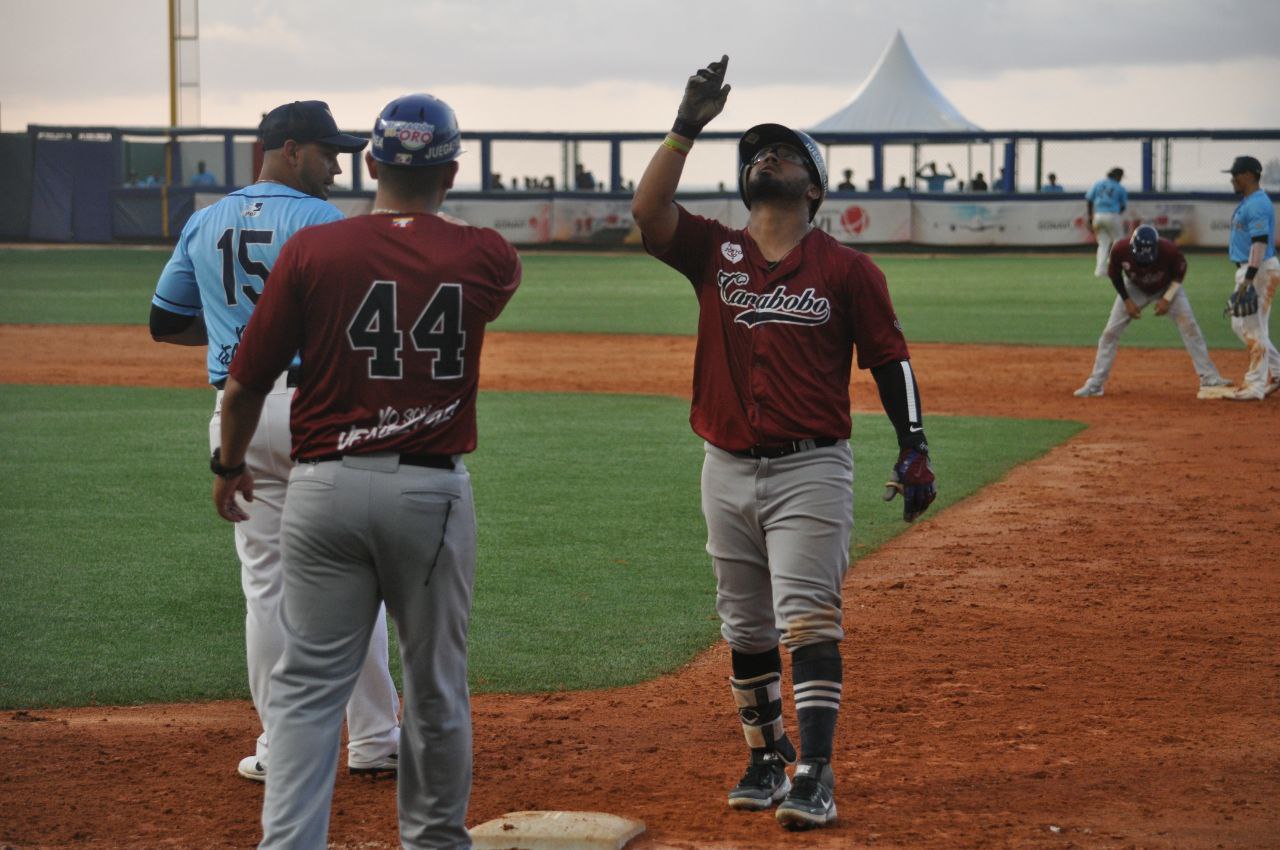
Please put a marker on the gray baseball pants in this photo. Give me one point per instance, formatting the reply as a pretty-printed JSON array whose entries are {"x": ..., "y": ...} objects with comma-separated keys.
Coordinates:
[
  {"x": 372, "y": 714},
  {"x": 778, "y": 535},
  {"x": 357, "y": 531},
  {"x": 1182, "y": 316}
]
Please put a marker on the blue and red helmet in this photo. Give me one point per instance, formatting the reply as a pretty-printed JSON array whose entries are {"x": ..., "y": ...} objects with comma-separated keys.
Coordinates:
[
  {"x": 1145, "y": 243},
  {"x": 416, "y": 130},
  {"x": 763, "y": 135}
]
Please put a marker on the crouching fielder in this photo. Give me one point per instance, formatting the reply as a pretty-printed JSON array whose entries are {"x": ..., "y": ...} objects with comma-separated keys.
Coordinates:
[{"x": 1146, "y": 269}]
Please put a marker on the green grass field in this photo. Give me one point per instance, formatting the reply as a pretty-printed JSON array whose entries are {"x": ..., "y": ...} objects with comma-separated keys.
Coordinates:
[
  {"x": 1004, "y": 298},
  {"x": 120, "y": 585}
]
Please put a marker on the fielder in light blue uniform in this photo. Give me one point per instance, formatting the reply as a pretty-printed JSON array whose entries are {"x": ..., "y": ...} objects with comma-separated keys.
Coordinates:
[
  {"x": 1105, "y": 201},
  {"x": 223, "y": 257},
  {"x": 1253, "y": 249},
  {"x": 206, "y": 294}
]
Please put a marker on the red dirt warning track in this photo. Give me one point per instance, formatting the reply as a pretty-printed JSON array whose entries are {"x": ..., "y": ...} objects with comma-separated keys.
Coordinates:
[{"x": 1082, "y": 655}]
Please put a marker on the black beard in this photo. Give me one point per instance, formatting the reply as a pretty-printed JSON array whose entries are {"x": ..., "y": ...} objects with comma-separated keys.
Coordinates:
[{"x": 763, "y": 186}]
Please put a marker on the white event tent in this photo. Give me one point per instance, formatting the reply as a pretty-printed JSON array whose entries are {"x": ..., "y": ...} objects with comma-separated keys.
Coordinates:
[{"x": 897, "y": 96}]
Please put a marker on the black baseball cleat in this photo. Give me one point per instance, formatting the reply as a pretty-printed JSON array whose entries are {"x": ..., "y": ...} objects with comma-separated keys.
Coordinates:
[
  {"x": 387, "y": 765},
  {"x": 810, "y": 803},
  {"x": 764, "y": 783}
]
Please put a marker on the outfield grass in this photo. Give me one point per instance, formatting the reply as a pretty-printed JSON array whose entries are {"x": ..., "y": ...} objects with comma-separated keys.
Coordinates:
[
  {"x": 120, "y": 585},
  {"x": 1004, "y": 298}
]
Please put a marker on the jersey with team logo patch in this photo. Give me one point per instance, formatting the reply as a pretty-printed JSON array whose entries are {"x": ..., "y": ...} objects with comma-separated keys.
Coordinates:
[
  {"x": 775, "y": 345},
  {"x": 390, "y": 335},
  {"x": 1154, "y": 278}
]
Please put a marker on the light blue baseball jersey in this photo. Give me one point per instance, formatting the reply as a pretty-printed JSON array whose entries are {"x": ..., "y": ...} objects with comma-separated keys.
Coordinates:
[
  {"x": 1107, "y": 196},
  {"x": 224, "y": 256},
  {"x": 1254, "y": 216}
]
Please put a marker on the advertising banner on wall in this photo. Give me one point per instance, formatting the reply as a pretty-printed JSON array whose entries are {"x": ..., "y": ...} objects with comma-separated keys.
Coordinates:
[
  {"x": 999, "y": 222},
  {"x": 523, "y": 221},
  {"x": 956, "y": 221},
  {"x": 869, "y": 221}
]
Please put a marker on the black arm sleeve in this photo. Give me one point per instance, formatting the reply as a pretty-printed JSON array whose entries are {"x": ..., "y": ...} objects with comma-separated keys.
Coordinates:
[
  {"x": 1261, "y": 237},
  {"x": 1117, "y": 280},
  {"x": 901, "y": 399},
  {"x": 163, "y": 323}
]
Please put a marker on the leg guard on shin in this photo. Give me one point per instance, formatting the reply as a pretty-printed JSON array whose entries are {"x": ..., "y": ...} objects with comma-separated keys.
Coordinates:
[
  {"x": 818, "y": 678},
  {"x": 759, "y": 702}
]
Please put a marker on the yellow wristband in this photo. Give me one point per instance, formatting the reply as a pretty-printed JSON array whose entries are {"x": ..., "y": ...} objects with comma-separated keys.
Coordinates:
[{"x": 676, "y": 145}]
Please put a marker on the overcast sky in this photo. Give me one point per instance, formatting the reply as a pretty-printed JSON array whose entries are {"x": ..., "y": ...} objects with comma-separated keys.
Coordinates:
[{"x": 609, "y": 64}]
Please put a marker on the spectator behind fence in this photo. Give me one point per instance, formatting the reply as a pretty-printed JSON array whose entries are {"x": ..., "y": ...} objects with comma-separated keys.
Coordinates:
[
  {"x": 1052, "y": 185},
  {"x": 583, "y": 180},
  {"x": 933, "y": 180},
  {"x": 846, "y": 185},
  {"x": 495, "y": 182},
  {"x": 902, "y": 185},
  {"x": 978, "y": 183},
  {"x": 203, "y": 177}
]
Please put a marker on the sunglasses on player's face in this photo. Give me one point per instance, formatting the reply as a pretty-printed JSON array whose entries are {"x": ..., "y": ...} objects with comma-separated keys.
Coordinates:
[{"x": 786, "y": 153}]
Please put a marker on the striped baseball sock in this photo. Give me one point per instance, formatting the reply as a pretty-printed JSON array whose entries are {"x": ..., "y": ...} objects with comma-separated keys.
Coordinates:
[{"x": 817, "y": 677}]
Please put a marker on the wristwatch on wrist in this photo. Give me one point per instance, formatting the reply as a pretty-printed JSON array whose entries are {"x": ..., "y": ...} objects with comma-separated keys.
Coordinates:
[{"x": 216, "y": 467}]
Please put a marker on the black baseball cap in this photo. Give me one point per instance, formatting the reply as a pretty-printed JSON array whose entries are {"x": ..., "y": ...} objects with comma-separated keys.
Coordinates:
[
  {"x": 1243, "y": 164},
  {"x": 305, "y": 121}
]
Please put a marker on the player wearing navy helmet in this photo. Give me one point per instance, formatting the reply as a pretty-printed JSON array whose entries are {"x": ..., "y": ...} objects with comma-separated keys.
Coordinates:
[
  {"x": 1145, "y": 269},
  {"x": 206, "y": 294},
  {"x": 781, "y": 308},
  {"x": 389, "y": 311}
]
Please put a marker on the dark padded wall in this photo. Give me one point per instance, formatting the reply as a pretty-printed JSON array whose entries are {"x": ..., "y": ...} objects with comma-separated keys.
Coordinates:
[{"x": 15, "y": 185}]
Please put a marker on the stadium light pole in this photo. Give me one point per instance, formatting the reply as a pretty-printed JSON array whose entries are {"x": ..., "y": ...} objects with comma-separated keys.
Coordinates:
[{"x": 173, "y": 119}]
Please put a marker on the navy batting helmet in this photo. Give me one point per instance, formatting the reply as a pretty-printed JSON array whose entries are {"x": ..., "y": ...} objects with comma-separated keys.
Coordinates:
[
  {"x": 416, "y": 130},
  {"x": 763, "y": 135},
  {"x": 1145, "y": 242}
]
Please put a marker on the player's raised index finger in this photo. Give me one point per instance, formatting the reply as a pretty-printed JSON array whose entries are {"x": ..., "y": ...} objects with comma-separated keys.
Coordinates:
[{"x": 718, "y": 68}]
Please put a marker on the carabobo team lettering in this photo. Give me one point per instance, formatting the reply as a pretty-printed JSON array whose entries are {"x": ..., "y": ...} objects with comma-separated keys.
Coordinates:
[
  {"x": 392, "y": 421},
  {"x": 760, "y": 308}
]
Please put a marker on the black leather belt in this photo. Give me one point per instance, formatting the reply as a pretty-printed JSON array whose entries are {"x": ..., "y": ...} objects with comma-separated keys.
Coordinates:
[
  {"x": 291, "y": 379},
  {"x": 432, "y": 461},
  {"x": 771, "y": 451}
]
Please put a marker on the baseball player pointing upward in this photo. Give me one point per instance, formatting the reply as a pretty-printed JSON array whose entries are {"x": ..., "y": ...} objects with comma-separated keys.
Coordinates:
[{"x": 781, "y": 307}]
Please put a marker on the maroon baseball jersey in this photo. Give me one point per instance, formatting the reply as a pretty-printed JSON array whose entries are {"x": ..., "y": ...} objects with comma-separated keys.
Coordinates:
[
  {"x": 775, "y": 346},
  {"x": 388, "y": 313},
  {"x": 1154, "y": 278}
]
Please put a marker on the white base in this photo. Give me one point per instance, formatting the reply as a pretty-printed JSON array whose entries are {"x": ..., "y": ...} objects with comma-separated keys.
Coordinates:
[
  {"x": 556, "y": 831},
  {"x": 1215, "y": 392}
]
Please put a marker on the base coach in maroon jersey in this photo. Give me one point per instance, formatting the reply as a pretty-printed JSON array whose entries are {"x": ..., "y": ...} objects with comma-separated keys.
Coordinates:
[
  {"x": 782, "y": 306},
  {"x": 389, "y": 313}
]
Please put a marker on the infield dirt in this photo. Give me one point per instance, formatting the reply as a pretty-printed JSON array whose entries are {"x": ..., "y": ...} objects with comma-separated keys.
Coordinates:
[{"x": 1084, "y": 654}]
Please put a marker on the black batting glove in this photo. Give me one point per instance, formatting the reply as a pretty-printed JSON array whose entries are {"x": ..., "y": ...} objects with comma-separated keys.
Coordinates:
[
  {"x": 913, "y": 478},
  {"x": 704, "y": 98}
]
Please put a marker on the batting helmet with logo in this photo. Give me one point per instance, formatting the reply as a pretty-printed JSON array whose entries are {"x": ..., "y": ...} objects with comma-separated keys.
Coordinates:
[
  {"x": 1145, "y": 242},
  {"x": 763, "y": 135},
  {"x": 416, "y": 130}
]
